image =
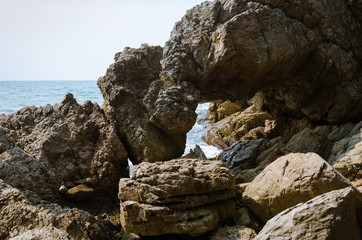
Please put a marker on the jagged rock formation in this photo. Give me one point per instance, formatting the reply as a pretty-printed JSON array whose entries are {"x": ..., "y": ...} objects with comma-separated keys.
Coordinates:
[
  {"x": 328, "y": 216},
  {"x": 183, "y": 196},
  {"x": 45, "y": 147},
  {"x": 303, "y": 56},
  {"x": 289, "y": 180},
  {"x": 131, "y": 92}
]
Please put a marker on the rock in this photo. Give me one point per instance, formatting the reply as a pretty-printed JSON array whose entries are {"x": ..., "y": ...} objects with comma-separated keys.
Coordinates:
[
  {"x": 52, "y": 145},
  {"x": 63, "y": 189},
  {"x": 328, "y": 216},
  {"x": 290, "y": 180},
  {"x": 182, "y": 196},
  {"x": 79, "y": 193},
  {"x": 242, "y": 217},
  {"x": 125, "y": 85},
  {"x": 231, "y": 50},
  {"x": 196, "y": 153},
  {"x": 346, "y": 154},
  {"x": 23, "y": 215},
  {"x": 248, "y": 158},
  {"x": 218, "y": 111},
  {"x": 233, "y": 128},
  {"x": 234, "y": 233}
]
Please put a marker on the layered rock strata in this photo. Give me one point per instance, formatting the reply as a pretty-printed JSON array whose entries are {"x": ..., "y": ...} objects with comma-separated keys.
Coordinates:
[{"x": 182, "y": 196}]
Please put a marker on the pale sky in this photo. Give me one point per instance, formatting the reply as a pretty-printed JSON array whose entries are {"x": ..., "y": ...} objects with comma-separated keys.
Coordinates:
[{"x": 77, "y": 39}]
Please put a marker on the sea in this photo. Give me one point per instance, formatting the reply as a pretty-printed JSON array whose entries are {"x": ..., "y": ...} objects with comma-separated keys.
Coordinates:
[{"x": 17, "y": 94}]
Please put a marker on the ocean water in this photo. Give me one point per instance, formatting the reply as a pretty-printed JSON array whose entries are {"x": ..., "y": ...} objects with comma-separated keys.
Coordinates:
[{"x": 17, "y": 94}]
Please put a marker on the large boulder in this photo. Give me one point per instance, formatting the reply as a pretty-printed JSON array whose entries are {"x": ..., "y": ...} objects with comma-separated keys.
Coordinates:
[
  {"x": 146, "y": 133},
  {"x": 182, "y": 196},
  {"x": 290, "y": 180},
  {"x": 303, "y": 57},
  {"x": 46, "y": 147},
  {"x": 329, "y": 216},
  {"x": 23, "y": 215}
]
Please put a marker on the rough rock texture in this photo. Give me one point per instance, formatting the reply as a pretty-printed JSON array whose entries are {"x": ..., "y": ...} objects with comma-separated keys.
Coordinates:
[
  {"x": 303, "y": 57},
  {"x": 290, "y": 180},
  {"x": 329, "y": 216},
  {"x": 218, "y": 111},
  {"x": 347, "y": 153},
  {"x": 147, "y": 134},
  {"x": 182, "y": 196},
  {"x": 23, "y": 215},
  {"x": 234, "y": 233},
  {"x": 236, "y": 127},
  {"x": 44, "y": 147},
  {"x": 248, "y": 158}
]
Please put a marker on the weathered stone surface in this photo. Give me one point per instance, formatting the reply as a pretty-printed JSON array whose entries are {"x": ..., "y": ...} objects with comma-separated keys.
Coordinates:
[
  {"x": 218, "y": 111},
  {"x": 146, "y": 133},
  {"x": 150, "y": 220},
  {"x": 182, "y": 196},
  {"x": 23, "y": 215},
  {"x": 248, "y": 158},
  {"x": 80, "y": 192},
  {"x": 328, "y": 216},
  {"x": 234, "y": 233},
  {"x": 290, "y": 180},
  {"x": 62, "y": 143},
  {"x": 303, "y": 57},
  {"x": 346, "y": 154},
  {"x": 235, "y": 127}
]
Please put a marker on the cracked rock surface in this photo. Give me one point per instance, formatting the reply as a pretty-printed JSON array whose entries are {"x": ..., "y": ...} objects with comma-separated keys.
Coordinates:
[
  {"x": 182, "y": 196},
  {"x": 290, "y": 180}
]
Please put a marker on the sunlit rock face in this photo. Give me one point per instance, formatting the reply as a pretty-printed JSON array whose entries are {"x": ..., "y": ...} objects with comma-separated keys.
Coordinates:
[
  {"x": 146, "y": 110},
  {"x": 181, "y": 196},
  {"x": 303, "y": 57}
]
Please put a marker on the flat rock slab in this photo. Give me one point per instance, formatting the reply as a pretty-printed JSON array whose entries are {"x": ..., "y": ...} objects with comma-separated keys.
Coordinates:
[{"x": 181, "y": 196}]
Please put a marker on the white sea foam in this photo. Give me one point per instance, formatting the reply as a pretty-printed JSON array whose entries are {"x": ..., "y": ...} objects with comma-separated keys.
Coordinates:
[{"x": 194, "y": 135}]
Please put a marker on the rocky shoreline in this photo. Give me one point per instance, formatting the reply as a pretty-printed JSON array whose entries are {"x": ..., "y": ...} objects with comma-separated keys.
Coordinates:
[{"x": 284, "y": 79}]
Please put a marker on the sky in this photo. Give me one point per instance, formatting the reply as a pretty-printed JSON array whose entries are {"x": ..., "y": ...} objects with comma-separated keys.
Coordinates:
[{"x": 77, "y": 39}]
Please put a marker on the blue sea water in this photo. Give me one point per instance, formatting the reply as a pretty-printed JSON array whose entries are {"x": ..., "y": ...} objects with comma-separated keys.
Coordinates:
[{"x": 17, "y": 94}]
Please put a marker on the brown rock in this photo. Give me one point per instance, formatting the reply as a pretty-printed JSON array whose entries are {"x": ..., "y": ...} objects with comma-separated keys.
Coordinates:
[
  {"x": 62, "y": 143},
  {"x": 234, "y": 233},
  {"x": 303, "y": 57},
  {"x": 23, "y": 215},
  {"x": 290, "y": 180},
  {"x": 80, "y": 192},
  {"x": 143, "y": 130},
  {"x": 233, "y": 128},
  {"x": 346, "y": 154},
  {"x": 328, "y": 216},
  {"x": 182, "y": 196},
  {"x": 218, "y": 111}
]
